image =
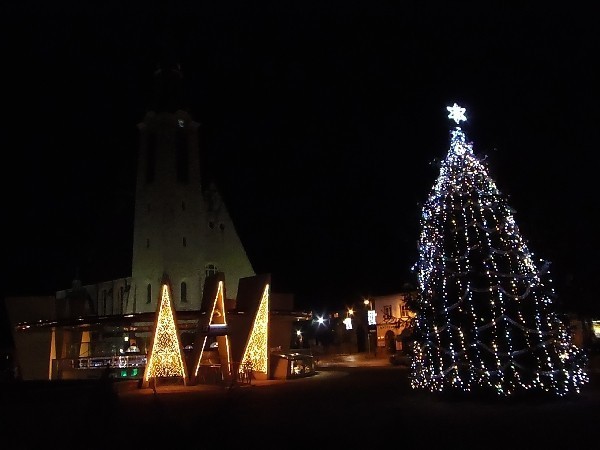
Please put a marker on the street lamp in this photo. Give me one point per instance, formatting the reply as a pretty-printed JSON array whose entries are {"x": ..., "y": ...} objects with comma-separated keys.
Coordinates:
[{"x": 370, "y": 321}]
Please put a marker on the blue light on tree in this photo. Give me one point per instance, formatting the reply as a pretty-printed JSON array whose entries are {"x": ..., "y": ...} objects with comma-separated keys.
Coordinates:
[{"x": 486, "y": 320}]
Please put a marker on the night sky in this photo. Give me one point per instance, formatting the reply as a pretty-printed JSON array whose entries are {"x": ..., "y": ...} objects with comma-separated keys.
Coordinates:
[{"x": 322, "y": 122}]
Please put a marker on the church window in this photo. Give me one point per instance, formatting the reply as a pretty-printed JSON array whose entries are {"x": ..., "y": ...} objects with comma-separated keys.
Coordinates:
[
  {"x": 150, "y": 157},
  {"x": 210, "y": 269},
  {"x": 211, "y": 225},
  {"x": 183, "y": 292},
  {"x": 149, "y": 293},
  {"x": 222, "y": 226},
  {"x": 182, "y": 156},
  {"x": 184, "y": 242},
  {"x": 147, "y": 243}
]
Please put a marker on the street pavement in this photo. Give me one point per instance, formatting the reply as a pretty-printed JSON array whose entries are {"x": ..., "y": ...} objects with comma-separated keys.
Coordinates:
[{"x": 352, "y": 400}]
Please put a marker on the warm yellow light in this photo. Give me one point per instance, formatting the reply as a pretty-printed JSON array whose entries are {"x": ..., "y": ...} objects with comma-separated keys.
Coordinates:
[
  {"x": 165, "y": 357},
  {"x": 217, "y": 317},
  {"x": 256, "y": 354},
  {"x": 200, "y": 357},
  {"x": 596, "y": 328}
]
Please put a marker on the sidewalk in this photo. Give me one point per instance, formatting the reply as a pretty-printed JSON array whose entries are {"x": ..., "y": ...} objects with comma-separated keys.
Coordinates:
[{"x": 352, "y": 360}]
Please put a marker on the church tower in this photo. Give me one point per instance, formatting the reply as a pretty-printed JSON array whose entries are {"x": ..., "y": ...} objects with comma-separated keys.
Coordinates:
[{"x": 182, "y": 228}]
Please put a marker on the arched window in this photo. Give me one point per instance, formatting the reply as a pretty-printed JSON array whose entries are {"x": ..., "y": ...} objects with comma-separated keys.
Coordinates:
[
  {"x": 149, "y": 294},
  {"x": 210, "y": 269},
  {"x": 183, "y": 292}
]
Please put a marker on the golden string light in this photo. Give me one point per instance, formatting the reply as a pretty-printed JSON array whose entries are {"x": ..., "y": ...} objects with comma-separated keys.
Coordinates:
[
  {"x": 165, "y": 357},
  {"x": 256, "y": 354}
]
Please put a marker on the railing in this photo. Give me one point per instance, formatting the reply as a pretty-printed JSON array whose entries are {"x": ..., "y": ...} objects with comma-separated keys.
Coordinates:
[{"x": 101, "y": 362}]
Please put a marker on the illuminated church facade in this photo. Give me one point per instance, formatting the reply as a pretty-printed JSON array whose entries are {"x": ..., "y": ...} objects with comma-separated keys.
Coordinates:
[{"x": 184, "y": 239}]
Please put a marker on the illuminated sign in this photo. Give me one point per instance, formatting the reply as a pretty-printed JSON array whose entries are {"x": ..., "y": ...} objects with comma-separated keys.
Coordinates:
[
  {"x": 348, "y": 323},
  {"x": 371, "y": 317}
]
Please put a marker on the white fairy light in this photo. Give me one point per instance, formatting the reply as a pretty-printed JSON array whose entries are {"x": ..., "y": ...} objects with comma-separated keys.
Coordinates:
[{"x": 456, "y": 113}]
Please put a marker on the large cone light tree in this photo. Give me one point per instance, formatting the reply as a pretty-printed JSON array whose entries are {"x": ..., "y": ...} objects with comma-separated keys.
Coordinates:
[{"x": 486, "y": 316}]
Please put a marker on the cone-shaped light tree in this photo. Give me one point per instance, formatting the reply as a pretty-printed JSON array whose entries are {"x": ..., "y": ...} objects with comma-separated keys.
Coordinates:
[
  {"x": 165, "y": 358},
  {"x": 486, "y": 317},
  {"x": 256, "y": 354}
]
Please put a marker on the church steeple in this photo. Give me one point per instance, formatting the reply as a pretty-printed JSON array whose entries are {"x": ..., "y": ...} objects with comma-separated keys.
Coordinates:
[
  {"x": 168, "y": 87},
  {"x": 180, "y": 228}
]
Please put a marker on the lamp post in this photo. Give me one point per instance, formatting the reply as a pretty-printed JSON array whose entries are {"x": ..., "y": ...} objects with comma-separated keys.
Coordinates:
[{"x": 369, "y": 307}]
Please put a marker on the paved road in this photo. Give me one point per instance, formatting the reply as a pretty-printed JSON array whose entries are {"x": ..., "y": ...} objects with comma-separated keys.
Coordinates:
[{"x": 367, "y": 405}]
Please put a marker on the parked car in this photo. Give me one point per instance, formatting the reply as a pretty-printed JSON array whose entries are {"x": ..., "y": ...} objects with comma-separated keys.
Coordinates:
[{"x": 400, "y": 359}]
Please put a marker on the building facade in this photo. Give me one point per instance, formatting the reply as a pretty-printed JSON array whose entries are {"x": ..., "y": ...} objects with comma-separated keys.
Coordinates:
[
  {"x": 182, "y": 233},
  {"x": 393, "y": 321}
]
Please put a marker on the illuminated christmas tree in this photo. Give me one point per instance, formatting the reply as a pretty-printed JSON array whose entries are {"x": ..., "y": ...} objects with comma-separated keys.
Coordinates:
[
  {"x": 256, "y": 354},
  {"x": 486, "y": 319},
  {"x": 165, "y": 359}
]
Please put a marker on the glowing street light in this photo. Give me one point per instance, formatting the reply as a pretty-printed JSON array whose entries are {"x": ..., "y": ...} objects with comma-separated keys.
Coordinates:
[{"x": 371, "y": 320}]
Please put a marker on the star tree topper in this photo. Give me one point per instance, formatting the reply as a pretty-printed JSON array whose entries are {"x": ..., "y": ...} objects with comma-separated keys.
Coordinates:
[{"x": 456, "y": 113}]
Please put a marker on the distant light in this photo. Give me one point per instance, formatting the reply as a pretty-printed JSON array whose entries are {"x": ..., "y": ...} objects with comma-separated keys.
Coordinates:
[
  {"x": 371, "y": 314},
  {"x": 348, "y": 323},
  {"x": 350, "y": 311}
]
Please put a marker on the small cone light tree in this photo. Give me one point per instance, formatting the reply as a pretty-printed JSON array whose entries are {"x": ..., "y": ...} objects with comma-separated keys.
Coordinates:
[
  {"x": 165, "y": 360},
  {"x": 256, "y": 353},
  {"x": 218, "y": 319},
  {"x": 485, "y": 320}
]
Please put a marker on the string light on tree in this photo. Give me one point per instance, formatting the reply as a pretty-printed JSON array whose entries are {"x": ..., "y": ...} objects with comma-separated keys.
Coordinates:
[
  {"x": 256, "y": 354},
  {"x": 485, "y": 320},
  {"x": 165, "y": 357}
]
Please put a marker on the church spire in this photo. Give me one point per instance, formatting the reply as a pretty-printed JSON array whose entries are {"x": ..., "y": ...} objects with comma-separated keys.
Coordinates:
[{"x": 168, "y": 87}]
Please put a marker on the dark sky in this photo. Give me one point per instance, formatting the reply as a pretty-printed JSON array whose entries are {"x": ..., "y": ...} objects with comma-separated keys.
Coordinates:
[{"x": 322, "y": 122}]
